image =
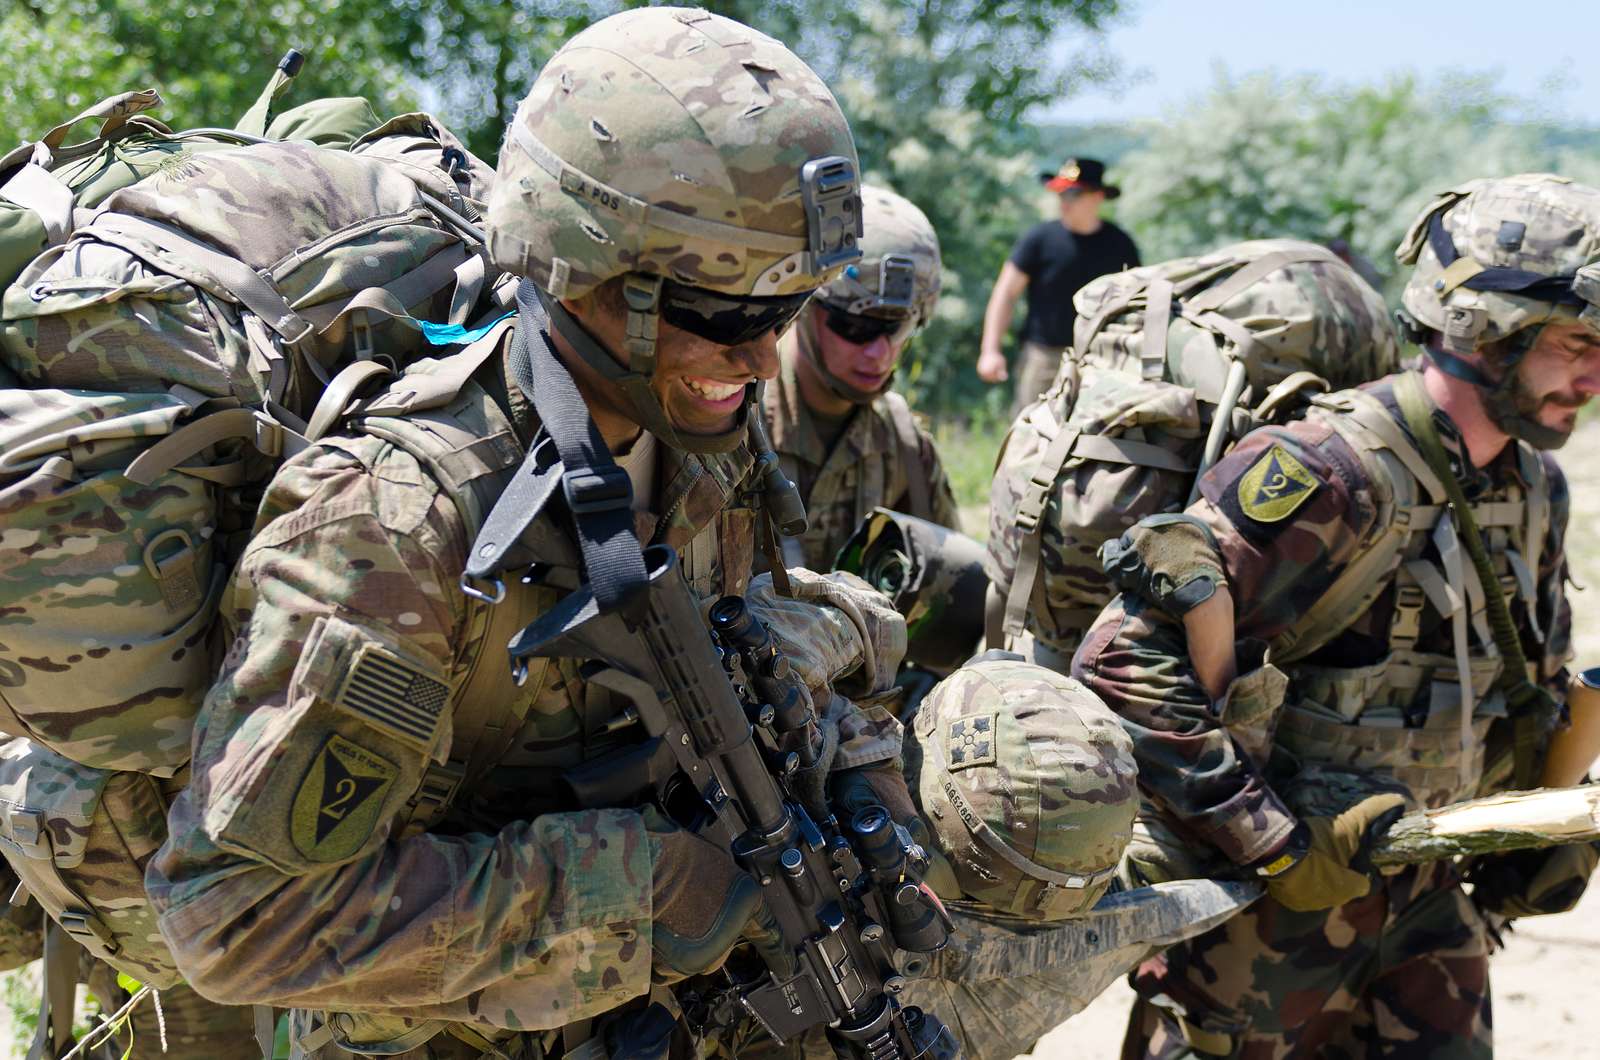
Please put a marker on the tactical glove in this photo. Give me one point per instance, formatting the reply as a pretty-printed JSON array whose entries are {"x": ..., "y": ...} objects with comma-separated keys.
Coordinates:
[
  {"x": 702, "y": 901},
  {"x": 1334, "y": 869},
  {"x": 1167, "y": 560},
  {"x": 1533, "y": 882}
]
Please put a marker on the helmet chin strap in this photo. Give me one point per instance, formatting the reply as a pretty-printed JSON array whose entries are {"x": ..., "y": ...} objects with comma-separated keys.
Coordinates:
[
  {"x": 811, "y": 349},
  {"x": 1500, "y": 398},
  {"x": 643, "y": 295}
]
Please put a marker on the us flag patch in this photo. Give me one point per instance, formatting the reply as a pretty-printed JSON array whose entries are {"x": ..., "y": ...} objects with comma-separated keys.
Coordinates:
[{"x": 393, "y": 696}]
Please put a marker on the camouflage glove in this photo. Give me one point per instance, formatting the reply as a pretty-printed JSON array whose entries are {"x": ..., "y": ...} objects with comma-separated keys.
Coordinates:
[
  {"x": 1333, "y": 868},
  {"x": 702, "y": 901},
  {"x": 1168, "y": 560},
  {"x": 1533, "y": 882}
]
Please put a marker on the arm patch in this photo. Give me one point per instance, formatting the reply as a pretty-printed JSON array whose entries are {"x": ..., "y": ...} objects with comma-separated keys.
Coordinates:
[{"x": 1276, "y": 485}]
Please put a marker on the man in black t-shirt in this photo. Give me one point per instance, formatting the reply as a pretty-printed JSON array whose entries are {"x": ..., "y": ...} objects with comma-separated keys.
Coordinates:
[{"x": 1051, "y": 262}]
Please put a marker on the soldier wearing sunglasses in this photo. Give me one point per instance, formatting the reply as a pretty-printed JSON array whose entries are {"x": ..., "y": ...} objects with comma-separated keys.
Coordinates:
[
  {"x": 388, "y": 831},
  {"x": 840, "y": 433}
]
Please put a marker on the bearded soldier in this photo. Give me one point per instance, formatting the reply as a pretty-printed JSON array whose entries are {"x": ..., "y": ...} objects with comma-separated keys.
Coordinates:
[
  {"x": 846, "y": 439},
  {"x": 386, "y": 829},
  {"x": 1311, "y": 647}
]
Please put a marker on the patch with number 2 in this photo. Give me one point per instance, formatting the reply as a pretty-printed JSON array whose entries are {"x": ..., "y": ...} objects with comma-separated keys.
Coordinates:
[{"x": 339, "y": 799}]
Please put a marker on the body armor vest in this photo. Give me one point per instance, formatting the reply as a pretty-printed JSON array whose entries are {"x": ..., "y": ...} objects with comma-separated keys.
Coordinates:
[{"x": 1419, "y": 714}]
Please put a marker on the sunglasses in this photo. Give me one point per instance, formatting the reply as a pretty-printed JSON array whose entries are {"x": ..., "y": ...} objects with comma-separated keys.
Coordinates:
[
  {"x": 727, "y": 321},
  {"x": 860, "y": 330}
]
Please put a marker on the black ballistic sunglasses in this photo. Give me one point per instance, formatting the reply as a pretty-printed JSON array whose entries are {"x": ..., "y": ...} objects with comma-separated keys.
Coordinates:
[
  {"x": 725, "y": 320},
  {"x": 861, "y": 330}
]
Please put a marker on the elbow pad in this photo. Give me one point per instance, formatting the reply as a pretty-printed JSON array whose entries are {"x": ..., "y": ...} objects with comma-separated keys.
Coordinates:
[{"x": 1170, "y": 561}]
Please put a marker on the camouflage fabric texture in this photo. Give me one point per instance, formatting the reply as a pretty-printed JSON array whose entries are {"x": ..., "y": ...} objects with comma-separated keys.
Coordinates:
[
  {"x": 1536, "y": 222},
  {"x": 1143, "y": 409},
  {"x": 868, "y": 467},
  {"x": 120, "y": 336},
  {"x": 896, "y": 234},
  {"x": 521, "y": 910},
  {"x": 79, "y": 839},
  {"x": 605, "y": 171},
  {"x": 1027, "y": 784},
  {"x": 1401, "y": 972},
  {"x": 1005, "y": 982},
  {"x": 1369, "y": 686}
]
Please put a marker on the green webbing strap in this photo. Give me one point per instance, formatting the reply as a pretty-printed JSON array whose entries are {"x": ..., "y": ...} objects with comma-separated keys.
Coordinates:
[{"x": 1532, "y": 708}]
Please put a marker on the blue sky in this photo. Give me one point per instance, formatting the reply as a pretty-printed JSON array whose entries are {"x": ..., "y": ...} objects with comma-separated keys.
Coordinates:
[{"x": 1170, "y": 49}]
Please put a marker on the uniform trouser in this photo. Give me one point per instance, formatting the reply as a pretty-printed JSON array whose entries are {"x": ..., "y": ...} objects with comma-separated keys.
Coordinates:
[
  {"x": 1401, "y": 972},
  {"x": 1036, "y": 370}
]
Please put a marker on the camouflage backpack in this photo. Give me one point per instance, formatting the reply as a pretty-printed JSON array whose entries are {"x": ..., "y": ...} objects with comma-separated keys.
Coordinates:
[
  {"x": 1132, "y": 418},
  {"x": 166, "y": 351}
]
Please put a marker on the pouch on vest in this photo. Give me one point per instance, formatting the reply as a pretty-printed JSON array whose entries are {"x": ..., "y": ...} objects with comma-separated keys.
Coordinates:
[{"x": 79, "y": 839}]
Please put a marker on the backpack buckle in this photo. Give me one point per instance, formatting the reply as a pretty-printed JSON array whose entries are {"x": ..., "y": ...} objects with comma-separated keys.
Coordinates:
[
  {"x": 88, "y": 930},
  {"x": 599, "y": 489}
]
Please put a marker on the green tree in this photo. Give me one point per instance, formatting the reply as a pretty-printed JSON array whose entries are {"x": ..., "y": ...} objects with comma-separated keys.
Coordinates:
[
  {"x": 937, "y": 91},
  {"x": 1271, "y": 156}
]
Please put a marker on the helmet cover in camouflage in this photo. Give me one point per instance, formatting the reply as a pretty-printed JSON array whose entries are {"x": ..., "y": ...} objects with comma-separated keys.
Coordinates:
[
  {"x": 1538, "y": 223},
  {"x": 1028, "y": 784},
  {"x": 1313, "y": 313},
  {"x": 898, "y": 275},
  {"x": 671, "y": 142}
]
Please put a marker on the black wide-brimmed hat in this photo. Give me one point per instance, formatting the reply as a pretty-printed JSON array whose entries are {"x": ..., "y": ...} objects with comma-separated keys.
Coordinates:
[{"x": 1086, "y": 173}]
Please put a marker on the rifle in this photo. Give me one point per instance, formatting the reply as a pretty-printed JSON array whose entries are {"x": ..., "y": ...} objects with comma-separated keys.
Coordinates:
[{"x": 727, "y": 724}]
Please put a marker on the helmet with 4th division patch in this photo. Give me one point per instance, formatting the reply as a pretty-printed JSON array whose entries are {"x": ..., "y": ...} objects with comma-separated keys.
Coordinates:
[
  {"x": 1028, "y": 784},
  {"x": 695, "y": 158}
]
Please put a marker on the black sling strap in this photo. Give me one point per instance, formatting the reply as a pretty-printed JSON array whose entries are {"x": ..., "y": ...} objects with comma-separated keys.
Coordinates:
[{"x": 597, "y": 491}]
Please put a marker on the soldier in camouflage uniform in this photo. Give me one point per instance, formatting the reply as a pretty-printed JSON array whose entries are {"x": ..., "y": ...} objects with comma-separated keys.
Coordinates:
[
  {"x": 380, "y": 832},
  {"x": 847, "y": 440},
  {"x": 1308, "y": 650}
]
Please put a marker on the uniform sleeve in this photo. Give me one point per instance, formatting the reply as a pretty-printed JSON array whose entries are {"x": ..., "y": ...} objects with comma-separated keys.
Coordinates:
[
  {"x": 1285, "y": 510},
  {"x": 285, "y": 880},
  {"x": 1025, "y": 254}
]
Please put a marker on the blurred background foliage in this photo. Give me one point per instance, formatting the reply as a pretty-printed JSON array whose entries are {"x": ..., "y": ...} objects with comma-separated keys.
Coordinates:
[{"x": 941, "y": 95}]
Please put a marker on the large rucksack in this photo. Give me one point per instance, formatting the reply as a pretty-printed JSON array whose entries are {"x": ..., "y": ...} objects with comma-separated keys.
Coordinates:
[
  {"x": 1133, "y": 416},
  {"x": 174, "y": 343}
]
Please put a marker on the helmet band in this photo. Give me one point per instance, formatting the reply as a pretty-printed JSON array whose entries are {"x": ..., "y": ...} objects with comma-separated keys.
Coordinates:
[{"x": 580, "y": 185}]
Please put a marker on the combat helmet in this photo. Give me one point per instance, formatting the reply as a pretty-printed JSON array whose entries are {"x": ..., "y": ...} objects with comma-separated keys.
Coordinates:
[
  {"x": 1028, "y": 784},
  {"x": 694, "y": 157},
  {"x": 1496, "y": 258},
  {"x": 891, "y": 291}
]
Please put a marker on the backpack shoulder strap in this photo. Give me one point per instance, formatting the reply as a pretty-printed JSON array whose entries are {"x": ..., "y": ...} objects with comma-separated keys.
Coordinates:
[
  {"x": 905, "y": 428},
  {"x": 1388, "y": 457}
]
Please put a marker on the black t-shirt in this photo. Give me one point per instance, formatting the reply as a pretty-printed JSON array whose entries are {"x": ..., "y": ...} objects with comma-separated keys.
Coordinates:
[{"x": 1058, "y": 263}]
